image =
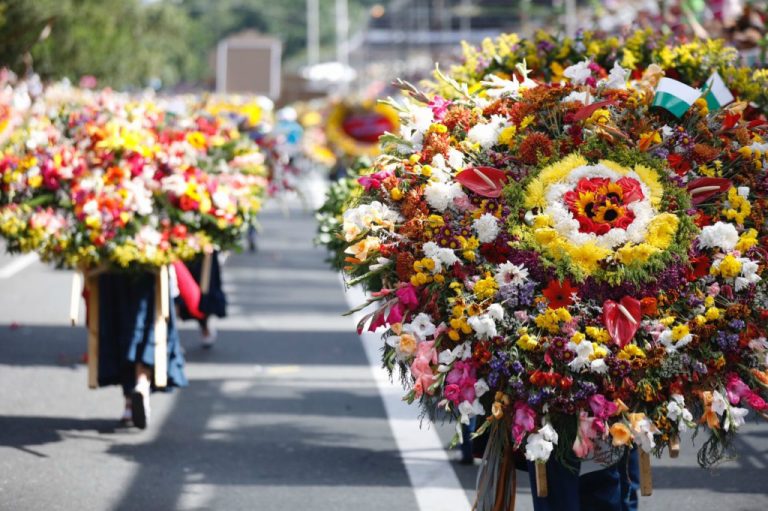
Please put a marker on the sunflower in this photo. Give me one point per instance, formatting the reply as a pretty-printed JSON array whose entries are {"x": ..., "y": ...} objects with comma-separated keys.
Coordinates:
[
  {"x": 585, "y": 204},
  {"x": 609, "y": 212}
]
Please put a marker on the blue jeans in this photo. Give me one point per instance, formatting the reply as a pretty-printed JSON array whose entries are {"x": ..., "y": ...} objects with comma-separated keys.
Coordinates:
[{"x": 610, "y": 489}]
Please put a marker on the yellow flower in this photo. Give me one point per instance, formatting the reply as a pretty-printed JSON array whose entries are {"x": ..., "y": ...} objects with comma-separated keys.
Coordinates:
[
  {"x": 662, "y": 229},
  {"x": 629, "y": 253},
  {"x": 679, "y": 332},
  {"x": 747, "y": 240},
  {"x": 712, "y": 314},
  {"x": 526, "y": 342},
  {"x": 598, "y": 334},
  {"x": 631, "y": 351},
  {"x": 729, "y": 267},
  {"x": 550, "y": 319},
  {"x": 578, "y": 337},
  {"x": 587, "y": 256},
  {"x": 486, "y": 288},
  {"x": 507, "y": 135},
  {"x": 600, "y": 116}
]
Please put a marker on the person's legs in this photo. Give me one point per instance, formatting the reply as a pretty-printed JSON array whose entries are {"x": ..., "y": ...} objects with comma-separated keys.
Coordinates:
[
  {"x": 601, "y": 490},
  {"x": 563, "y": 488},
  {"x": 467, "y": 457},
  {"x": 629, "y": 474},
  {"x": 140, "y": 396}
]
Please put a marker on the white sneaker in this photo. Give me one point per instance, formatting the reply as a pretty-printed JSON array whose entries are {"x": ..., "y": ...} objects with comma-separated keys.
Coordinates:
[{"x": 210, "y": 339}]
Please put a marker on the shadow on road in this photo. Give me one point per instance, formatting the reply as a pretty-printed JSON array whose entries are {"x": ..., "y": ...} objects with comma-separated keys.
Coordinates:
[{"x": 24, "y": 433}]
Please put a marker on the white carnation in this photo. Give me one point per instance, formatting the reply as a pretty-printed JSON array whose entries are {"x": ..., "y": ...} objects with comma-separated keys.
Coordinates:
[
  {"x": 484, "y": 134},
  {"x": 486, "y": 227},
  {"x": 721, "y": 235}
]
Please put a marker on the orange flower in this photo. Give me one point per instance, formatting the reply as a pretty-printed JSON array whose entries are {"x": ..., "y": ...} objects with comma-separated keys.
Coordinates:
[
  {"x": 620, "y": 407},
  {"x": 648, "y": 306},
  {"x": 761, "y": 376},
  {"x": 620, "y": 434},
  {"x": 709, "y": 416}
]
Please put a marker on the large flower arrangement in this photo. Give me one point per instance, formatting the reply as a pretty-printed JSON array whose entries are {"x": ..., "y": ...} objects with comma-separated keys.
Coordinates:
[
  {"x": 577, "y": 267},
  {"x": 99, "y": 178},
  {"x": 548, "y": 56}
]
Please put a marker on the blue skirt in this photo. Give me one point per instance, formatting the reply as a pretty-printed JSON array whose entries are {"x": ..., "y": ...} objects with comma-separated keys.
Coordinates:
[
  {"x": 126, "y": 331},
  {"x": 214, "y": 302}
]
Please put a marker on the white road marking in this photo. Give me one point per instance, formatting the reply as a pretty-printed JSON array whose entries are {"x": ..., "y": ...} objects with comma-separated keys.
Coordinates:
[
  {"x": 434, "y": 482},
  {"x": 18, "y": 264}
]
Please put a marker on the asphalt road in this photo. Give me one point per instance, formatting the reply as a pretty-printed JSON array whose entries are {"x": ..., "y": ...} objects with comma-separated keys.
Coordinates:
[{"x": 284, "y": 413}]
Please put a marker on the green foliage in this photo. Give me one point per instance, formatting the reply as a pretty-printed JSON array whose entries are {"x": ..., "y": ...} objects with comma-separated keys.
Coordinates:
[
  {"x": 121, "y": 42},
  {"x": 127, "y": 43}
]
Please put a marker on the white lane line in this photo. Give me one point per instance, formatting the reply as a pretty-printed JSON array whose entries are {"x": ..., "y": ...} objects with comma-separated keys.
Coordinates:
[
  {"x": 434, "y": 482},
  {"x": 18, "y": 264}
]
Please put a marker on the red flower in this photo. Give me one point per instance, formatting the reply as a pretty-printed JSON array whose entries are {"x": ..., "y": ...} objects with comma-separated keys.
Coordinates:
[
  {"x": 679, "y": 163},
  {"x": 699, "y": 268},
  {"x": 559, "y": 294}
]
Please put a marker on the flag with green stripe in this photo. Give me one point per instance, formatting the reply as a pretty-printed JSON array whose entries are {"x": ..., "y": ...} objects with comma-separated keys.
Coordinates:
[
  {"x": 717, "y": 93},
  {"x": 675, "y": 97}
]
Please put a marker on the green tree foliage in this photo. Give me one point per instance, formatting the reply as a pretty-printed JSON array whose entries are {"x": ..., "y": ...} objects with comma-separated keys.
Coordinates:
[{"x": 130, "y": 43}]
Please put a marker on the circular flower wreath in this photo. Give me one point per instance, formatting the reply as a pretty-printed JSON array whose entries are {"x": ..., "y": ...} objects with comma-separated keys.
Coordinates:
[{"x": 577, "y": 267}]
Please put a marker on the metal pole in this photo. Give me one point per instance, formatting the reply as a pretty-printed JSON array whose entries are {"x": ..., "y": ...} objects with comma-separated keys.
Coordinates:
[
  {"x": 570, "y": 18},
  {"x": 342, "y": 32},
  {"x": 313, "y": 32}
]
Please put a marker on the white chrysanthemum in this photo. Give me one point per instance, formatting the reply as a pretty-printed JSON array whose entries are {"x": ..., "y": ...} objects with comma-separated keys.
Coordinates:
[
  {"x": 486, "y": 227},
  {"x": 511, "y": 274},
  {"x": 484, "y": 134},
  {"x": 455, "y": 159},
  {"x": 721, "y": 235},
  {"x": 483, "y": 325},
  {"x": 441, "y": 195},
  {"x": 748, "y": 274},
  {"x": 441, "y": 256}
]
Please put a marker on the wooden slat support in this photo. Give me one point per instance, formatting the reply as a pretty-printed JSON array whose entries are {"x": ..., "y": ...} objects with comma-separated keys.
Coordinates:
[
  {"x": 205, "y": 273},
  {"x": 542, "y": 488},
  {"x": 162, "y": 313},
  {"x": 674, "y": 447},
  {"x": 92, "y": 286},
  {"x": 646, "y": 481},
  {"x": 76, "y": 297}
]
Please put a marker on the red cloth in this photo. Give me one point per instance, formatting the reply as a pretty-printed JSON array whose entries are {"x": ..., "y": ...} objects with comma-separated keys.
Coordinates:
[{"x": 188, "y": 289}]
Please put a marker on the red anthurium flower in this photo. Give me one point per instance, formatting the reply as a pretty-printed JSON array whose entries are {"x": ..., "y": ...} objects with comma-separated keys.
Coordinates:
[
  {"x": 622, "y": 319},
  {"x": 585, "y": 112},
  {"x": 706, "y": 187},
  {"x": 484, "y": 181},
  {"x": 559, "y": 293}
]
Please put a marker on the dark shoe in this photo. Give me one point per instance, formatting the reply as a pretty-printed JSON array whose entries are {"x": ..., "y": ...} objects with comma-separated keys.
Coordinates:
[{"x": 140, "y": 408}]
